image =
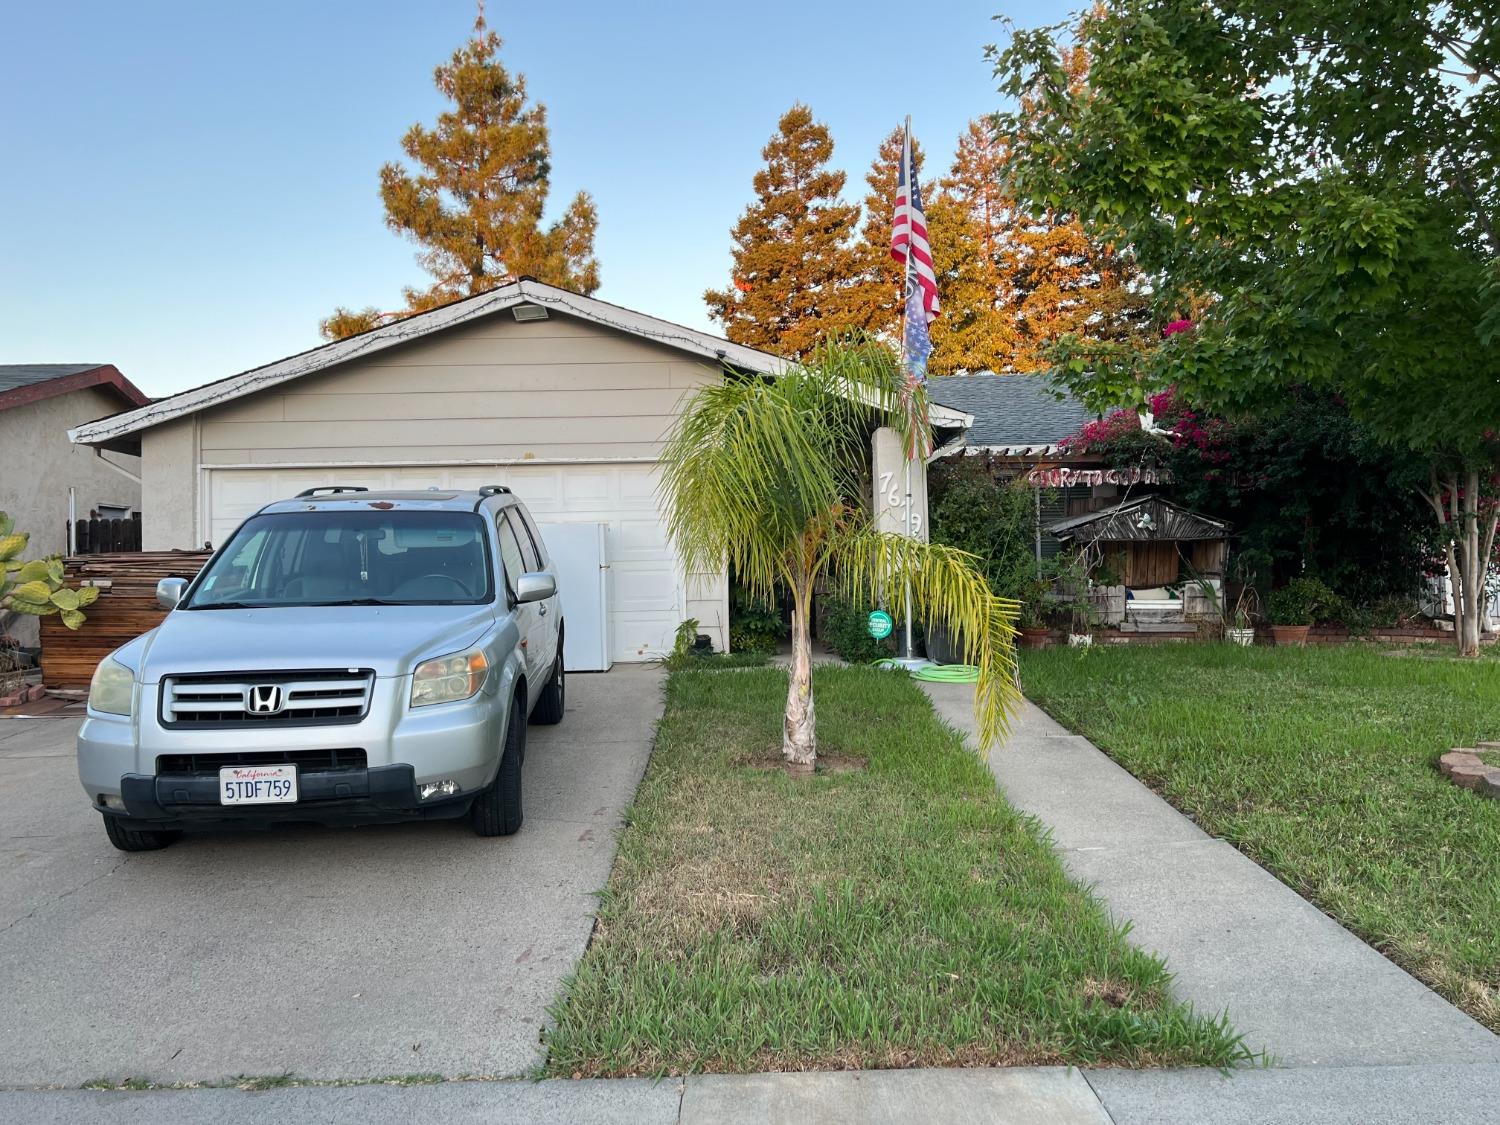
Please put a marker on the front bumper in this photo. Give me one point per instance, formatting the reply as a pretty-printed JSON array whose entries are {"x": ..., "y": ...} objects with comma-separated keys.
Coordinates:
[
  {"x": 378, "y": 795},
  {"x": 118, "y": 757}
]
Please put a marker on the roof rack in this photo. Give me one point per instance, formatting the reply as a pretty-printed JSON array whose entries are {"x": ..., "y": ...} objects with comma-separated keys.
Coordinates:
[
  {"x": 494, "y": 490},
  {"x": 331, "y": 489}
]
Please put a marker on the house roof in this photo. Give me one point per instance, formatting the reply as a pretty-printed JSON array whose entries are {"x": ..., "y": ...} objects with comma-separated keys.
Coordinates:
[
  {"x": 523, "y": 292},
  {"x": 24, "y": 383},
  {"x": 1145, "y": 518},
  {"x": 1012, "y": 413}
]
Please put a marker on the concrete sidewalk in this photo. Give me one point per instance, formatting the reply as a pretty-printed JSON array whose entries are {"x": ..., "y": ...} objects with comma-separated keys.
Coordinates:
[
  {"x": 1020, "y": 1096},
  {"x": 1297, "y": 984}
]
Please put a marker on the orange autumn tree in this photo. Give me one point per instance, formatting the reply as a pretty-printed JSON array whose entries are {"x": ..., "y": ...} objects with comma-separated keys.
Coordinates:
[
  {"x": 1011, "y": 284},
  {"x": 793, "y": 252},
  {"x": 474, "y": 202}
]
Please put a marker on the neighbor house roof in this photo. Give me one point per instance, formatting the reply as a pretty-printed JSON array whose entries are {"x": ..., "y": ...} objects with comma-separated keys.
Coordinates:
[
  {"x": 25, "y": 383},
  {"x": 518, "y": 293},
  {"x": 1144, "y": 518},
  {"x": 1014, "y": 414}
]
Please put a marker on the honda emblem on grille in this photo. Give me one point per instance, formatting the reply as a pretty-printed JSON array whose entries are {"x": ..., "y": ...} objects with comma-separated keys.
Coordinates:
[{"x": 265, "y": 699}]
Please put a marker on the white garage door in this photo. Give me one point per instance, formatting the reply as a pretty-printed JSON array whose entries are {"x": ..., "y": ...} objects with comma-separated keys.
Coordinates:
[{"x": 646, "y": 596}]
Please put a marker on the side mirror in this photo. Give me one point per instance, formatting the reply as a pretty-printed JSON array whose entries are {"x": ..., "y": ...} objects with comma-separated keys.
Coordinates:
[
  {"x": 169, "y": 592},
  {"x": 535, "y": 587}
]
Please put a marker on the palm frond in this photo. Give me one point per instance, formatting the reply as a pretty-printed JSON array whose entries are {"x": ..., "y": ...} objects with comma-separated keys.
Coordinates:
[{"x": 947, "y": 588}]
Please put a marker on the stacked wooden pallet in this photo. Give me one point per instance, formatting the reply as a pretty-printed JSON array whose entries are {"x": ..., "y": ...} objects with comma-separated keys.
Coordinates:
[{"x": 126, "y": 608}]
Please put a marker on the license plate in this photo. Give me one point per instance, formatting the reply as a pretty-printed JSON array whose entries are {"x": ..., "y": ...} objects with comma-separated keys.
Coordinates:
[{"x": 257, "y": 785}]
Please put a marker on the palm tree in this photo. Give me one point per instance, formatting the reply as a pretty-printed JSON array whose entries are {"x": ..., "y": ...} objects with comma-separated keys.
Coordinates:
[{"x": 768, "y": 475}]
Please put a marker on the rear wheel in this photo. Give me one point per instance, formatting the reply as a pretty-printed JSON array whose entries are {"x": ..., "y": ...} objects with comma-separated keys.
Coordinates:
[
  {"x": 549, "y": 704},
  {"x": 497, "y": 810},
  {"x": 138, "y": 839}
]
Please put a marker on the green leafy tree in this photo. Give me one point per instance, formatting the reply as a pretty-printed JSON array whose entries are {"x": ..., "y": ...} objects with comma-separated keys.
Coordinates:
[
  {"x": 36, "y": 587},
  {"x": 475, "y": 203},
  {"x": 764, "y": 474},
  {"x": 1323, "y": 181},
  {"x": 793, "y": 254}
]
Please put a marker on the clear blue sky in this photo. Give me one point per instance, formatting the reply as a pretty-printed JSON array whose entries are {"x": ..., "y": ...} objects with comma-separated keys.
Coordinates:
[{"x": 188, "y": 188}]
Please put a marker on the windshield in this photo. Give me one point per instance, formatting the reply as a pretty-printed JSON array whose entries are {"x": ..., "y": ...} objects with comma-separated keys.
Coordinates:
[{"x": 350, "y": 558}]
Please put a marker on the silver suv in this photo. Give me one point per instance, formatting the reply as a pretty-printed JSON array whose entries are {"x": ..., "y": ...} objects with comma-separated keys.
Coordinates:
[{"x": 346, "y": 657}]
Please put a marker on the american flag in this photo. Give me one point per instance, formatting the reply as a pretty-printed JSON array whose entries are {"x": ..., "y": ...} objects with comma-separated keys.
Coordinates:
[
  {"x": 909, "y": 232},
  {"x": 909, "y": 237}
]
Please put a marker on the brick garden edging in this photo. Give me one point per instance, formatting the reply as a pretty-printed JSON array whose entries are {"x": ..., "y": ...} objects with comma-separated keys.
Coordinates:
[{"x": 1465, "y": 768}]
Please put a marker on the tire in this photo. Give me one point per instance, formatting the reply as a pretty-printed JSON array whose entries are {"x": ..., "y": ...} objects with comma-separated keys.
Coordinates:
[
  {"x": 497, "y": 810},
  {"x": 138, "y": 839},
  {"x": 549, "y": 704}
]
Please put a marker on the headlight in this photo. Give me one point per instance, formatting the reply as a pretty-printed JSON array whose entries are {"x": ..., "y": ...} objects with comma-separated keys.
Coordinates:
[
  {"x": 448, "y": 679},
  {"x": 112, "y": 690}
]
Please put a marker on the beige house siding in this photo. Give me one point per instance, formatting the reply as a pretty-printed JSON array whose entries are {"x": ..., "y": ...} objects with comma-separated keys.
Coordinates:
[
  {"x": 170, "y": 503},
  {"x": 493, "y": 391},
  {"x": 41, "y": 465}
]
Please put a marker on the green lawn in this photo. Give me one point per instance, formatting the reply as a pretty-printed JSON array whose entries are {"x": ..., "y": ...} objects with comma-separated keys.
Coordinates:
[
  {"x": 897, "y": 915},
  {"x": 1319, "y": 763}
]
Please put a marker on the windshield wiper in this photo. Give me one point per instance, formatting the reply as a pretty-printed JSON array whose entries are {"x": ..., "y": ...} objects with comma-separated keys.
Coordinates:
[
  {"x": 225, "y": 605},
  {"x": 365, "y": 601}
]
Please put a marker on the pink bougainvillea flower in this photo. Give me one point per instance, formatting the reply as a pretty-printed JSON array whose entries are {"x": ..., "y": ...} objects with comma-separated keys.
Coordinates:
[{"x": 1176, "y": 326}]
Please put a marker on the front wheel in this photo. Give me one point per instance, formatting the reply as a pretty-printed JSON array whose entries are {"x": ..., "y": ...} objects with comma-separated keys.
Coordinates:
[
  {"x": 549, "y": 704},
  {"x": 497, "y": 810},
  {"x": 138, "y": 839}
]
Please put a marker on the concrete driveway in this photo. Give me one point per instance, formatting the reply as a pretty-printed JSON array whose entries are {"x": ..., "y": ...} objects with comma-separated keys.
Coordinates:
[{"x": 326, "y": 953}]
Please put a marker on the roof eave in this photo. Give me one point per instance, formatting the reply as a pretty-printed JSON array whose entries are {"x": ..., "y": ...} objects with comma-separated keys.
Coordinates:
[
  {"x": 329, "y": 355},
  {"x": 106, "y": 377}
]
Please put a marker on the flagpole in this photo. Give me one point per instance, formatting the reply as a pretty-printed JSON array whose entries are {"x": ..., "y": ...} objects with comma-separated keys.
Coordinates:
[{"x": 908, "y": 658}]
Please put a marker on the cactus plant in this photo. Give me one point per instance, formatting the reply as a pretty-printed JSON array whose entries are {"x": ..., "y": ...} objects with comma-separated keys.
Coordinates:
[{"x": 35, "y": 586}]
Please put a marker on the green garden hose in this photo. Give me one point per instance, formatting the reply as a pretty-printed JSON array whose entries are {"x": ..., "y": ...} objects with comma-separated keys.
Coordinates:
[
  {"x": 939, "y": 673},
  {"x": 948, "y": 674}
]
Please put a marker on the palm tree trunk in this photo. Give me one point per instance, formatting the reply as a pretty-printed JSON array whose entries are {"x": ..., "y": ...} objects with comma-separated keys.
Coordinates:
[{"x": 799, "y": 743}]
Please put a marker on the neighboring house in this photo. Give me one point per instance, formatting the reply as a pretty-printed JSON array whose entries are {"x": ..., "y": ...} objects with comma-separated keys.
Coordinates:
[
  {"x": 1019, "y": 427},
  {"x": 565, "y": 398},
  {"x": 1156, "y": 558},
  {"x": 39, "y": 403}
]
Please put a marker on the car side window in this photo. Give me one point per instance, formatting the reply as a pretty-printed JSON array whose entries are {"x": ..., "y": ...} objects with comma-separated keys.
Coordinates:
[
  {"x": 523, "y": 536},
  {"x": 510, "y": 551},
  {"x": 536, "y": 536}
]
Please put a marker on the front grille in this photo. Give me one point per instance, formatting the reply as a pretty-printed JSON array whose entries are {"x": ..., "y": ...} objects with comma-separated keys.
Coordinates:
[
  {"x": 253, "y": 699},
  {"x": 352, "y": 759}
]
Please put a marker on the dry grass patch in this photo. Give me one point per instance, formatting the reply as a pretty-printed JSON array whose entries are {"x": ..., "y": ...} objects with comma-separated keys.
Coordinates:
[{"x": 899, "y": 915}]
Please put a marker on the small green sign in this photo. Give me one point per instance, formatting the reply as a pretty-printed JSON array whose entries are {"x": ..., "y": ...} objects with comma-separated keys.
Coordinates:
[{"x": 880, "y": 624}]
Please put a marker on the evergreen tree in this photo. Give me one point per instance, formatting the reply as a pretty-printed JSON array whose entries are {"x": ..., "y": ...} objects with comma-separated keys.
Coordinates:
[
  {"x": 475, "y": 202},
  {"x": 1010, "y": 285},
  {"x": 978, "y": 330},
  {"x": 793, "y": 256},
  {"x": 875, "y": 300}
]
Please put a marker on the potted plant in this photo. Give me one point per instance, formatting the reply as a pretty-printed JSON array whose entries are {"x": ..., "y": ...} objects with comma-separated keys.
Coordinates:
[
  {"x": 1295, "y": 607},
  {"x": 1240, "y": 629},
  {"x": 1032, "y": 624},
  {"x": 1072, "y": 605}
]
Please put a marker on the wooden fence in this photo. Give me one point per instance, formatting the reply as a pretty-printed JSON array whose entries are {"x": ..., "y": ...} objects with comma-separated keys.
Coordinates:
[
  {"x": 101, "y": 536},
  {"x": 126, "y": 608}
]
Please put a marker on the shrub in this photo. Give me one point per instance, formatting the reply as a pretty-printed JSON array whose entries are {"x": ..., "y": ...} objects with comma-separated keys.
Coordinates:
[
  {"x": 971, "y": 510},
  {"x": 1394, "y": 611},
  {"x": 846, "y": 631},
  {"x": 1303, "y": 601},
  {"x": 754, "y": 626}
]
